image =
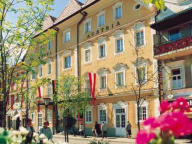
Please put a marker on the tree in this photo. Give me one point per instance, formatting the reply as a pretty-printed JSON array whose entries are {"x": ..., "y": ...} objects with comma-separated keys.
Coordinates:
[
  {"x": 159, "y": 4},
  {"x": 71, "y": 99},
  {"x": 17, "y": 39}
]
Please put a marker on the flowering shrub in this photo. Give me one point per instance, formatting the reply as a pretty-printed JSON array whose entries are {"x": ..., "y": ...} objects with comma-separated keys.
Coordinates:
[
  {"x": 96, "y": 141},
  {"x": 18, "y": 137},
  {"x": 171, "y": 123}
]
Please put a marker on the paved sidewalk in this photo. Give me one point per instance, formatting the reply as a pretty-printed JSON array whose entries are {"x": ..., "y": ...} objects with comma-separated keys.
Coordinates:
[{"x": 113, "y": 140}]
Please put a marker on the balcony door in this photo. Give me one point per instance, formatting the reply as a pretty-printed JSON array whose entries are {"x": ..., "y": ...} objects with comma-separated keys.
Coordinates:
[{"x": 176, "y": 78}]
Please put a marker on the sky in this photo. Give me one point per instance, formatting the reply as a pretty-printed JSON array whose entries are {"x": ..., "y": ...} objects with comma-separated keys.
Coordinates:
[{"x": 59, "y": 6}]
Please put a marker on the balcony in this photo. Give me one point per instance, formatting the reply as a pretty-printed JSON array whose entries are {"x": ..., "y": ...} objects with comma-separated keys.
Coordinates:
[{"x": 181, "y": 47}]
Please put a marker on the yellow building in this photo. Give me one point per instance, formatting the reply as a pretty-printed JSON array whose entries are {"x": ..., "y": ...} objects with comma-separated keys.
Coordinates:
[{"x": 113, "y": 39}]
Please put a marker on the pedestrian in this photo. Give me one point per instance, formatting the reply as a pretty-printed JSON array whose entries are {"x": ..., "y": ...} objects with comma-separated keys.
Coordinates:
[
  {"x": 93, "y": 131},
  {"x": 128, "y": 129},
  {"x": 103, "y": 130},
  {"x": 97, "y": 129},
  {"x": 31, "y": 130},
  {"x": 46, "y": 131},
  {"x": 81, "y": 129}
]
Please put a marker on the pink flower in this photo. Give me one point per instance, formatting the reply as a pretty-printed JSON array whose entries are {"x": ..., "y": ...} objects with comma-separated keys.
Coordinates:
[
  {"x": 176, "y": 122},
  {"x": 144, "y": 137},
  {"x": 180, "y": 104},
  {"x": 151, "y": 122},
  {"x": 164, "y": 106}
]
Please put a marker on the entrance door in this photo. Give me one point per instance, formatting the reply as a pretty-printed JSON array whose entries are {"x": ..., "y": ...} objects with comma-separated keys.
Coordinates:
[{"x": 120, "y": 121}]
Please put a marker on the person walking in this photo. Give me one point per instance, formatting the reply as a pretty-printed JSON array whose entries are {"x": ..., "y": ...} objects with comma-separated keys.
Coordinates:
[
  {"x": 81, "y": 129},
  {"x": 128, "y": 129},
  {"x": 30, "y": 132},
  {"x": 104, "y": 130},
  {"x": 97, "y": 129},
  {"x": 46, "y": 131}
]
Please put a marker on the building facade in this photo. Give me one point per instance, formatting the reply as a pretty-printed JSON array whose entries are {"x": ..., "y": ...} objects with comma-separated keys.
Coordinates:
[
  {"x": 173, "y": 49},
  {"x": 112, "y": 39}
]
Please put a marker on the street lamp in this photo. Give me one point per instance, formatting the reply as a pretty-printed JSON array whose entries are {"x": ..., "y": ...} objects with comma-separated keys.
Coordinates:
[{"x": 46, "y": 101}]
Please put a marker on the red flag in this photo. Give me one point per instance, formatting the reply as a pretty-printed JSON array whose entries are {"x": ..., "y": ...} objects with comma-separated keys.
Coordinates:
[
  {"x": 39, "y": 90},
  {"x": 92, "y": 86}
]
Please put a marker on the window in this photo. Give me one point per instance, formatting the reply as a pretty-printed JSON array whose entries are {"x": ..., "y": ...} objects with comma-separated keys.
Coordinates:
[
  {"x": 118, "y": 12},
  {"x": 102, "y": 116},
  {"x": 87, "y": 87},
  {"x": 49, "y": 90},
  {"x": 49, "y": 68},
  {"x": 33, "y": 117},
  {"x": 120, "y": 79},
  {"x": 33, "y": 75},
  {"x": 119, "y": 45},
  {"x": 67, "y": 62},
  {"x": 40, "y": 71},
  {"x": 49, "y": 45},
  {"x": 103, "y": 82},
  {"x": 142, "y": 113},
  {"x": 88, "y": 116},
  {"x": 101, "y": 19},
  {"x": 87, "y": 55},
  {"x": 139, "y": 38},
  {"x": 40, "y": 49},
  {"x": 176, "y": 78},
  {"x": 67, "y": 36},
  {"x": 137, "y": 7},
  {"x": 102, "y": 51},
  {"x": 87, "y": 26},
  {"x": 174, "y": 35},
  {"x": 49, "y": 115},
  {"x": 40, "y": 120}
]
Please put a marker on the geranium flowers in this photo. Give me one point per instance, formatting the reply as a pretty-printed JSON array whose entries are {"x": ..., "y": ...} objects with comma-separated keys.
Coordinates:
[{"x": 172, "y": 122}]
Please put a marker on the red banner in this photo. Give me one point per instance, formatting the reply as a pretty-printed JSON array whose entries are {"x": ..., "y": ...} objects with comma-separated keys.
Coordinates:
[
  {"x": 39, "y": 90},
  {"x": 92, "y": 86}
]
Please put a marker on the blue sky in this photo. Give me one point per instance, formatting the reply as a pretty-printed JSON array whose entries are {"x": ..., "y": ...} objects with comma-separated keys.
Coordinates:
[{"x": 59, "y": 6}]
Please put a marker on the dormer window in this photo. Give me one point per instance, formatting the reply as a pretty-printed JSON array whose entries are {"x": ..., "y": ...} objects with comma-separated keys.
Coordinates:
[{"x": 67, "y": 36}]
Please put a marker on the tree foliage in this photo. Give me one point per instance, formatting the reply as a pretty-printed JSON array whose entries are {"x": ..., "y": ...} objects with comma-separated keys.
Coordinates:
[
  {"x": 159, "y": 4},
  {"x": 20, "y": 20}
]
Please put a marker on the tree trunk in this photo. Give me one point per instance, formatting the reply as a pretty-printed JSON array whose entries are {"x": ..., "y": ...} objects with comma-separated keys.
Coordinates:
[{"x": 138, "y": 116}]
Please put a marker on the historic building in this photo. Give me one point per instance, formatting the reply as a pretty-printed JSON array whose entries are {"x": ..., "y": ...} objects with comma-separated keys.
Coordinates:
[
  {"x": 112, "y": 39},
  {"x": 173, "y": 49}
]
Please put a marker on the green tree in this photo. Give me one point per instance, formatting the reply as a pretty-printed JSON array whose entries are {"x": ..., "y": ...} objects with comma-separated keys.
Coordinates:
[
  {"x": 159, "y": 4},
  {"x": 17, "y": 40}
]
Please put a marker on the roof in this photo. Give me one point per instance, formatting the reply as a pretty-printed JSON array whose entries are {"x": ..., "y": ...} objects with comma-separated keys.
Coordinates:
[
  {"x": 176, "y": 19},
  {"x": 88, "y": 2},
  {"x": 48, "y": 22},
  {"x": 72, "y": 7}
]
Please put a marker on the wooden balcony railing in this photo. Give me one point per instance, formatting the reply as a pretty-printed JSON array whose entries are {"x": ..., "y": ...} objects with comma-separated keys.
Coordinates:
[{"x": 172, "y": 46}]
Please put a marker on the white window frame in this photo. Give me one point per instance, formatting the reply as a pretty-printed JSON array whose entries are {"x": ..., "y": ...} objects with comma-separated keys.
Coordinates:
[
  {"x": 102, "y": 41},
  {"x": 118, "y": 35},
  {"x": 102, "y": 107},
  {"x": 119, "y": 4},
  {"x": 40, "y": 68},
  {"x": 64, "y": 62},
  {"x": 104, "y": 75},
  {"x": 49, "y": 43},
  {"x": 87, "y": 21},
  {"x": 49, "y": 64},
  {"x": 172, "y": 65},
  {"x": 144, "y": 104},
  {"x": 40, "y": 113},
  {"x": 171, "y": 82},
  {"x": 64, "y": 35},
  {"x": 144, "y": 64},
  {"x": 49, "y": 87},
  {"x": 89, "y": 109},
  {"x": 87, "y": 47},
  {"x": 101, "y": 13},
  {"x": 138, "y": 27},
  {"x": 117, "y": 72}
]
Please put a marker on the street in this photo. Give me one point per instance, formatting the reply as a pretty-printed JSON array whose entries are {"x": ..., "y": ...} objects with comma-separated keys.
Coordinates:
[{"x": 115, "y": 140}]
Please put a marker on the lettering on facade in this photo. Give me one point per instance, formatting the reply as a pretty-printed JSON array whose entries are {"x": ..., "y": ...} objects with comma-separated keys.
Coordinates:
[{"x": 102, "y": 29}]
